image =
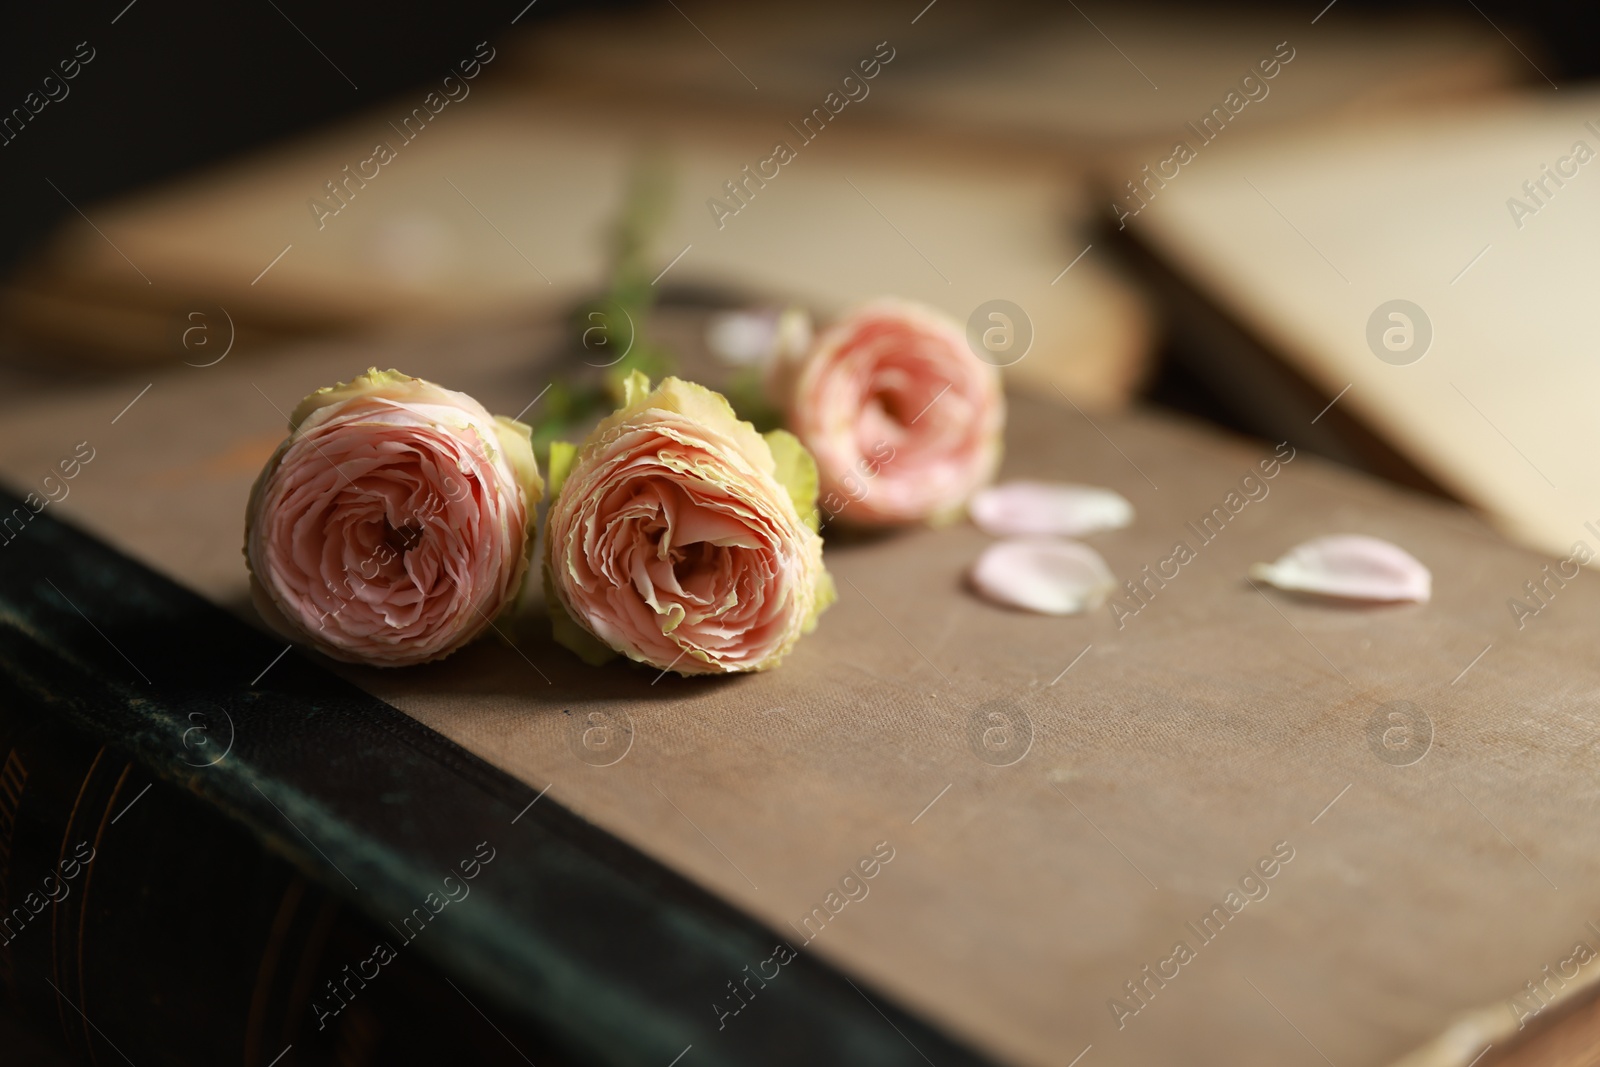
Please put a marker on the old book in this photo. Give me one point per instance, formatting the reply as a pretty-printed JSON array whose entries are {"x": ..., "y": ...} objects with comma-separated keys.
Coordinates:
[
  {"x": 500, "y": 203},
  {"x": 954, "y": 173},
  {"x": 1070, "y": 82},
  {"x": 212, "y": 852},
  {"x": 1428, "y": 272},
  {"x": 1207, "y": 823}
]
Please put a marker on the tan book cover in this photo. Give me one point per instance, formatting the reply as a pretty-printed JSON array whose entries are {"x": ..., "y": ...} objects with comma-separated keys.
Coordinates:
[{"x": 1221, "y": 825}]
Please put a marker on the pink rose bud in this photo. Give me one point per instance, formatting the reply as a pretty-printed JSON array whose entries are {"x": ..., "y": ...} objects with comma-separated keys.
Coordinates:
[
  {"x": 394, "y": 523},
  {"x": 682, "y": 538},
  {"x": 903, "y": 419}
]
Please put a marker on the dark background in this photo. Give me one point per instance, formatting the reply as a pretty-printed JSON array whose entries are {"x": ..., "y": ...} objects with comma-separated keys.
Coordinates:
[{"x": 178, "y": 84}]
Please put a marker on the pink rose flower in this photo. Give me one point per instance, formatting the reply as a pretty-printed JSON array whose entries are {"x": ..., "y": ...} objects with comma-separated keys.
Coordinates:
[
  {"x": 394, "y": 523},
  {"x": 677, "y": 536},
  {"x": 903, "y": 419}
]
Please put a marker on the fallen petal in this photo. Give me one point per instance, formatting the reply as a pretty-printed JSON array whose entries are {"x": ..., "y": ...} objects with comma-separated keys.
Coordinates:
[
  {"x": 1052, "y": 577},
  {"x": 754, "y": 338},
  {"x": 741, "y": 338},
  {"x": 1020, "y": 509},
  {"x": 1349, "y": 566}
]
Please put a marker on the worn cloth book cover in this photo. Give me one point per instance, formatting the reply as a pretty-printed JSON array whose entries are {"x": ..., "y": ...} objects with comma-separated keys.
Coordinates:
[
  {"x": 204, "y": 860},
  {"x": 1206, "y": 822}
]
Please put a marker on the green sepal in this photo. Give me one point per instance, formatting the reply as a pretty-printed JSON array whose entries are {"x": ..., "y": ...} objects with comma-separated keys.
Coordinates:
[
  {"x": 796, "y": 471},
  {"x": 562, "y": 455}
]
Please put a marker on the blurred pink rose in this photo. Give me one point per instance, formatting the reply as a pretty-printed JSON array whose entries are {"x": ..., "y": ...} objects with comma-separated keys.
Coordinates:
[
  {"x": 394, "y": 522},
  {"x": 678, "y": 536},
  {"x": 903, "y": 419}
]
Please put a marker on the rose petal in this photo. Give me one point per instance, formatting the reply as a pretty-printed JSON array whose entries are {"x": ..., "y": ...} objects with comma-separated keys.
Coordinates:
[
  {"x": 754, "y": 338},
  {"x": 1349, "y": 566},
  {"x": 741, "y": 338},
  {"x": 1048, "y": 508},
  {"x": 1052, "y": 577}
]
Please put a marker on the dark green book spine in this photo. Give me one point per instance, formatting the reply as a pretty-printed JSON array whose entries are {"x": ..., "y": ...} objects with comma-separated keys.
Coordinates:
[{"x": 202, "y": 862}]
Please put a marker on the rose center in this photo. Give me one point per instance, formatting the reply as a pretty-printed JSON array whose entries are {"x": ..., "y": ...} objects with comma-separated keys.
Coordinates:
[
  {"x": 896, "y": 405},
  {"x": 690, "y": 559},
  {"x": 402, "y": 538}
]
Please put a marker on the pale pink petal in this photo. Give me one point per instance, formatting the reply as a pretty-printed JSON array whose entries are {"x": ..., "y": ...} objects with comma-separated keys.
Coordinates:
[
  {"x": 742, "y": 338},
  {"x": 1050, "y": 576},
  {"x": 1023, "y": 509},
  {"x": 1351, "y": 567},
  {"x": 754, "y": 338}
]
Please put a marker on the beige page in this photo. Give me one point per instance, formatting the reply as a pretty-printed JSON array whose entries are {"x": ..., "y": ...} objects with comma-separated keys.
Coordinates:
[
  {"x": 504, "y": 199},
  {"x": 1307, "y": 239}
]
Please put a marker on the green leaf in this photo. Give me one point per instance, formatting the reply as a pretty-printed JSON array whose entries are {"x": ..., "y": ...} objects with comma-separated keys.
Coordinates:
[
  {"x": 562, "y": 455},
  {"x": 796, "y": 472}
]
